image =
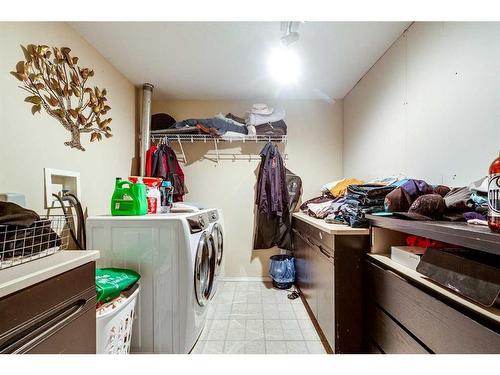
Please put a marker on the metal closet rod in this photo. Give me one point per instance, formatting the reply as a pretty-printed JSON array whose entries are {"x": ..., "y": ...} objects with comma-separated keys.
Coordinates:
[{"x": 195, "y": 138}]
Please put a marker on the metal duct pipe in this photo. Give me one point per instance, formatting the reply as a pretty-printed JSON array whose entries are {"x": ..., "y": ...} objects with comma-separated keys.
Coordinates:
[{"x": 147, "y": 92}]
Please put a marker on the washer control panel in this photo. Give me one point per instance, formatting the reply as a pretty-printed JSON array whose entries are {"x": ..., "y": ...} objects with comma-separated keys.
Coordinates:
[
  {"x": 197, "y": 223},
  {"x": 213, "y": 216},
  {"x": 200, "y": 222}
]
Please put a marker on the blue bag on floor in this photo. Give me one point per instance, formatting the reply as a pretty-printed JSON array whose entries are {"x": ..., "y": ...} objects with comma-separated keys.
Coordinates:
[{"x": 282, "y": 271}]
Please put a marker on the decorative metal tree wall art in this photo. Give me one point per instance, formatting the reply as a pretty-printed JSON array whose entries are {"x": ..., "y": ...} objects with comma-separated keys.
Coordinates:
[{"x": 58, "y": 85}]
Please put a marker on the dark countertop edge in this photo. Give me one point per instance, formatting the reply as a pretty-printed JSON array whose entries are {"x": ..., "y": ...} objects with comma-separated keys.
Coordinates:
[{"x": 456, "y": 233}]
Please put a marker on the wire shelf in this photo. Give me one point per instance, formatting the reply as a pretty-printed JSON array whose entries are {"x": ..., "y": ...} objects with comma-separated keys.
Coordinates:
[
  {"x": 44, "y": 237},
  {"x": 205, "y": 138},
  {"x": 210, "y": 138}
]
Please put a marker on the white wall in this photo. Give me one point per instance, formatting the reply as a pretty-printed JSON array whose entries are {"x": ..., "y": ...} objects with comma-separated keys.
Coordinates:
[
  {"x": 314, "y": 153},
  {"x": 29, "y": 143},
  {"x": 429, "y": 108}
]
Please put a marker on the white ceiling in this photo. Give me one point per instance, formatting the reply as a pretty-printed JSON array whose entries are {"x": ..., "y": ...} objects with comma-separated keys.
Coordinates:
[{"x": 227, "y": 60}]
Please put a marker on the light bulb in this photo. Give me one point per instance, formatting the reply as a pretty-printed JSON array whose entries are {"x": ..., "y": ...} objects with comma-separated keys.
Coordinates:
[{"x": 284, "y": 65}]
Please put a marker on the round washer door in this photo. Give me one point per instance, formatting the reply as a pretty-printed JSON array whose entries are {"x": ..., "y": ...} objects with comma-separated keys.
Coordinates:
[
  {"x": 204, "y": 270},
  {"x": 218, "y": 237}
]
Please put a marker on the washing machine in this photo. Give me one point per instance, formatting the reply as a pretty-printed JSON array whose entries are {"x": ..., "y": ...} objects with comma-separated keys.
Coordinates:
[{"x": 178, "y": 256}]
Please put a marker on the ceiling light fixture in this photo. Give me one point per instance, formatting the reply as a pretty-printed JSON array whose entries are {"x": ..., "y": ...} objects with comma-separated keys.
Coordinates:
[{"x": 284, "y": 64}]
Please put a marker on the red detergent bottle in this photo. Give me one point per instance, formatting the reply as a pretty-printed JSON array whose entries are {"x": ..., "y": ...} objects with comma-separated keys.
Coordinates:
[{"x": 494, "y": 196}]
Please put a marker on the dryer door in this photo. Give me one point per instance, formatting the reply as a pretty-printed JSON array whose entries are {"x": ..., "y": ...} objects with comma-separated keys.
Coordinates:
[
  {"x": 217, "y": 241},
  {"x": 203, "y": 270},
  {"x": 219, "y": 245}
]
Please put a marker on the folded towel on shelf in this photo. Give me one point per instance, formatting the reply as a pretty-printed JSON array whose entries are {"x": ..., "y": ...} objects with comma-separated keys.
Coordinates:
[
  {"x": 236, "y": 118},
  {"x": 233, "y": 135},
  {"x": 257, "y": 119},
  {"x": 277, "y": 128}
]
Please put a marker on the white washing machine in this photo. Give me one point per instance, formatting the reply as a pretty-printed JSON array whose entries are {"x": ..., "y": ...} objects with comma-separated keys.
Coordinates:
[{"x": 178, "y": 256}]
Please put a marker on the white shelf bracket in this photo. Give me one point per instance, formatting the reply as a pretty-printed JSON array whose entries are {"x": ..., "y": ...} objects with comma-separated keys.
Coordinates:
[
  {"x": 182, "y": 149},
  {"x": 216, "y": 149}
]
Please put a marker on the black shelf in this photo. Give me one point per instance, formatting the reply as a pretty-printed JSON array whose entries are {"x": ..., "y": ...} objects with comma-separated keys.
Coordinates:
[{"x": 456, "y": 233}]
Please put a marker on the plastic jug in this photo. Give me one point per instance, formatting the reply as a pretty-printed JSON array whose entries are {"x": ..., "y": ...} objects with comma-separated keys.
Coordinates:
[
  {"x": 141, "y": 191},
  {"x": 129, "y": 199},
  {"x": 167, "y": 194}
]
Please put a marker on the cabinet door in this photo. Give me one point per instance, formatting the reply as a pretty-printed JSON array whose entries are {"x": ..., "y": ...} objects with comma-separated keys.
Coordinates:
[
  {"x": 326, "y": 308},
  {"x": 325, "y": 296},
  {"x": 305, "y": 263},
  {"x": 315, "y": 278},
  {"x": 300, "y": 254}
]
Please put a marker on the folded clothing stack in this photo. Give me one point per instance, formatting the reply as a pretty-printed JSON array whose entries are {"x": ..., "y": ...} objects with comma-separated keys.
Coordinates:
[
  {"x": 360, "y": 200},
  {"x": 322, "y": 206},
  {"x": 266, "y": 120}
]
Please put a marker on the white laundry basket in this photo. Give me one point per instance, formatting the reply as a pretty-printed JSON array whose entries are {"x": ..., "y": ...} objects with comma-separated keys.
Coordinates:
[{"x": 114, "y": 327}]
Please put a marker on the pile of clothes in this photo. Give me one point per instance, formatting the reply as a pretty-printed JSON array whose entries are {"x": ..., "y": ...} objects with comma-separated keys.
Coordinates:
[
  {"x": 23, "y": 232},
  {"x": 347, "y": 201},
  {"x": 260, "y": 119},
  {"x": 425, "y": 202}
]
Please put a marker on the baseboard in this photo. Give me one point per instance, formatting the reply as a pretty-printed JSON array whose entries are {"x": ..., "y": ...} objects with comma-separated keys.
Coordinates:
[{"x": 244, "y": 279}]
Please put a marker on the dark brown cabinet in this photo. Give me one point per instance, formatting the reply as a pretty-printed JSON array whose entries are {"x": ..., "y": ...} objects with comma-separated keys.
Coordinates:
[
  {"x": 405, "y": 312},
  {"x": 328, "y": 274},
  {"x": 51, "y": 317},
  {"x": 404, "y": 318}
]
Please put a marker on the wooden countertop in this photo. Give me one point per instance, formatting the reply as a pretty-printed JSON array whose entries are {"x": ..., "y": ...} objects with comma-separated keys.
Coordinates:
[
  {"x": 335, "y": 229},
  {"x": 24, "y": 275}
]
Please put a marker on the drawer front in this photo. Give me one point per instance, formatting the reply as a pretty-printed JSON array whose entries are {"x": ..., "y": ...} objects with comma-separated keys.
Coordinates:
[
  {"x": 66, "y": 329},
  {"x": 438, "y": 326},
  {"x": 370, "y": 347},
  {"x": 317, "y": 236},
  {"x": 78, "y": 337},
  {"x": 25, "y": 306},
  {"x": 325, "y": 240},
  {"x": 388, "y": 335}
]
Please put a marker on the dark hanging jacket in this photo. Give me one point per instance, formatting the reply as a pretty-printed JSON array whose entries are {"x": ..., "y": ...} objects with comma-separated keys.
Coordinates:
[
  {"x": 278, "y": 191},
  {"x": 272, "y": 194},
  {"x": 164, "y": 164}
]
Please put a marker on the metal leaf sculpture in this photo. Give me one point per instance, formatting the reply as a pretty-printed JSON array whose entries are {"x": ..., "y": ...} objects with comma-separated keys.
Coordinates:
[{"x": 58, "y": 85}]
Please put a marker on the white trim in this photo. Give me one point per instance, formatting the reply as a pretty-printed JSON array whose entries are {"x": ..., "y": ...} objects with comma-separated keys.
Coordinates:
[
  {"x": 49, "y": 173},
  {"x": 244, "y": 279}
]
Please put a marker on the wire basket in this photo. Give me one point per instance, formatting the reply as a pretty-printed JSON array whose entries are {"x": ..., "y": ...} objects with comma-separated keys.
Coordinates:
[{"x": 44, "y": 237}]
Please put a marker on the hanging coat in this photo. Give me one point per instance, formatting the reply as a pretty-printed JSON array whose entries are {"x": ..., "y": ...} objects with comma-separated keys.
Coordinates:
[
  {"x": 272, "y": 194},
  {"x": 278, "y": 191},
  {"x": 164, "y": 164}
]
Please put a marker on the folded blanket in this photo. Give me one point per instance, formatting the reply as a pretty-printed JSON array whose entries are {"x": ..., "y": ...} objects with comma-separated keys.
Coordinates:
[{"x": 13, "y": 214}]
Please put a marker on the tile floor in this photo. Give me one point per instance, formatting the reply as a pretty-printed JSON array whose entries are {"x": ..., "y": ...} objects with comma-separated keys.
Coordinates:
[{"x": 254, "y": 318}]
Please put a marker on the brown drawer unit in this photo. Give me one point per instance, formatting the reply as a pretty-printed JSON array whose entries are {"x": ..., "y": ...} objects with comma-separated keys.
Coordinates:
[
  {"x": 328, "y": 274},
  {"x": 389, "y": 335},
  {"x": 404, "y": 318},
  {"x": 53, "y": 316}
]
